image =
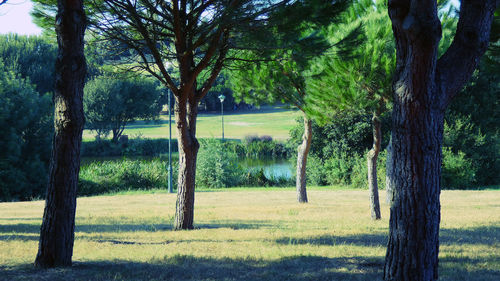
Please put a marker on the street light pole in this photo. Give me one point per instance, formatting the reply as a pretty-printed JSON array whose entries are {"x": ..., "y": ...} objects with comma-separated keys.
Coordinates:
[
  {"x": 170, "y": 187},
  {"x": 221, "y": 98}
]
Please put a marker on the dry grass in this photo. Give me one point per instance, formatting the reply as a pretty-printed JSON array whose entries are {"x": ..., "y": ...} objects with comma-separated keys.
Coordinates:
[{"x": 250, "y": 234}]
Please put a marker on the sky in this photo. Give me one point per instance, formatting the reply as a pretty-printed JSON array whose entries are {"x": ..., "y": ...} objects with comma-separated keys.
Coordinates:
[{"x": 15, "y": 18}]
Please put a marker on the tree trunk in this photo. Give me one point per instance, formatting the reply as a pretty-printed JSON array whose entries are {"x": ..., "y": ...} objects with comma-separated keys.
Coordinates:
[
  {"x": 389, "y": 181},
  {"x": 185, "y": 117},
  {"x": 303, "y": 151},
  {"x": 58, "y": 226},
  {"x": 372, "y": 167},
  {"x": 423, "y": 87}
]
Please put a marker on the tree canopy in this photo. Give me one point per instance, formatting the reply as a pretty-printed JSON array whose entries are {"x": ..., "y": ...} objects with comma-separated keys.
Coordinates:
[{"x": 110, "y": 103}]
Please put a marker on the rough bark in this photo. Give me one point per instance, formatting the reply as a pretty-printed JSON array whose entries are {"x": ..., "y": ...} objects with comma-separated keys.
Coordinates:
[
  {"x": 372, "y": 167},
  {"x": 57, "y": 230},
  {"x": 423, "y": 86},
  {"x": 303, "y": 151},
  {"x": 185, "y": 116},
  {"x": 389, "y": 181}
]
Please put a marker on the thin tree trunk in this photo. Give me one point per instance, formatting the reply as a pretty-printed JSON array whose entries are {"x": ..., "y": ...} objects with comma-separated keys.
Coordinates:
[
  {"x": 372, "y": 167},
  {"x": 58, "y": 226},
  {"x": 423, "y": 87},
  {"x": 389, "y": 177},
  {"x": 303, "y": 151},
  {"x": 185, "y": 117}
]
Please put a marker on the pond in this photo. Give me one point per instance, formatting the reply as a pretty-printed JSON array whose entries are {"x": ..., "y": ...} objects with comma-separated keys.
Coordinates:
[{"x": 273, "y": 168}]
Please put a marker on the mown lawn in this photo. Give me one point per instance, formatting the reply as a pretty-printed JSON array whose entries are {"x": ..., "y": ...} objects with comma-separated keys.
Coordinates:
[
  {"x": 271, "y": 121},
  {"x": 247, "y": 234}
]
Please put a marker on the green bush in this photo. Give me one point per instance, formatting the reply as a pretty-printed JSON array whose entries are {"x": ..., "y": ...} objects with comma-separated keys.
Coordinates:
[
  {"x": 315, "y": 170},
  {"x": 265, "y": 146},
  {"x": 217, "y": 167},
  {"x": 99, "y": 177},
  {"x": 457, "y": 171},
  {"x": 338, "y": 169},
  {"x": 480, "y": 147},
  {"x": 359, "y": 174},
  {"x": 26, "y": 128},
  {"x": 134, "y": 147}
]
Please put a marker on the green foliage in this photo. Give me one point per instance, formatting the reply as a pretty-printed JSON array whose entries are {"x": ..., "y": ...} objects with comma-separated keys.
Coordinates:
[
  {"x": 464, "y": 139},
  {"x": 112, "y": 102},
  {"x": 457, "y": 172},
  {"x": 473, "y": 119},
  {"x": 281, "y": 74},
  {"x": 361, "y": 81},
  {"x": 211, "y": 101},
  {"x": 133, "y": 147},
  {"x": 315, "y": 170},
  {"x": 265, "y": 147},
  {"x": 30, "y": 57},
  {"x": 347, "y": 133},
  {"x": 216, "y": 166},
  {"x": 344, "y": 170},
  {"x": 100, "y": 177},
  {"x": 359, "y": 176},
  {"x": 25, "y": 137}
]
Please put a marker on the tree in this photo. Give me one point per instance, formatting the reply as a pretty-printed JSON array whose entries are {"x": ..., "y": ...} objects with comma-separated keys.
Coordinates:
[
  {"x": 279, "y": 79},
  {"x": 31, "y": 57},
  {"x": 110, "y": 103},
  {"x": 58, "y": 227},
  {"x": 196, "y": 37},
  {"x": 25, "y": 131},
  {"x": 423, "y": 87},
  {"x": 361, "y": 81},
  {"x": 282, "y": 74}
]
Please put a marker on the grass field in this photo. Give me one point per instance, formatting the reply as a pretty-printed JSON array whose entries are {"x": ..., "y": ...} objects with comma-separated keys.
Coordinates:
[
  {"x": 272, "y": 121},
  {"x": 247, "y": 234}
]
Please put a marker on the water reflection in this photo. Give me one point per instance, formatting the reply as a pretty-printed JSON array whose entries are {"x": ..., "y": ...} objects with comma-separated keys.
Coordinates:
[{"x": 273, "y": 168}]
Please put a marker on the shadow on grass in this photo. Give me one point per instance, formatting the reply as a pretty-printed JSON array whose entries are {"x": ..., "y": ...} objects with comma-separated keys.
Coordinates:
[
  {"x": 16, "y": 237},
  {"x": 193, "y": 268},
  {"x": 100, "y": 228},
  {"x": 290, "y": 268},
  {"x": 485, "y": 235}
]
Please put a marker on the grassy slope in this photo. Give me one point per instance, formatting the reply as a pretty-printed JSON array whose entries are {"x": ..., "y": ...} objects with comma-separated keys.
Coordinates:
[
  {"x": 270, "y": 121},
  {"x": 247, "y": 235}
]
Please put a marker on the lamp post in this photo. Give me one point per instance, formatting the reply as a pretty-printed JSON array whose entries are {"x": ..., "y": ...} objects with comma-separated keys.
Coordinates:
[
  {"x": 221, "y": 98},
  {"x": 170, "y": 187}
]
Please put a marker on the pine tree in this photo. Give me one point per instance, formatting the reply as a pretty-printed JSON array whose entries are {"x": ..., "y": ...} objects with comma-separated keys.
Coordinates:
[{"x": 361, "y": 81}]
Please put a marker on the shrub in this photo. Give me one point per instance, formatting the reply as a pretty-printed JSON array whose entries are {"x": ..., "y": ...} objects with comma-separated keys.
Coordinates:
[
  {"x": 217, "y": 167},
  {"x": 481, "y": 148},
  {"x": 359, "y": 174},
  {"x": 457, "y": 171},
  {"x": 99, "y": 177},
  {"x": 338, "y": 169},
  {"x": 315, "y": 170},
  {"x": 264, "y": 146},
  {"x": 134, "y": 147},
  {"x": 26, "y": 128}
]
